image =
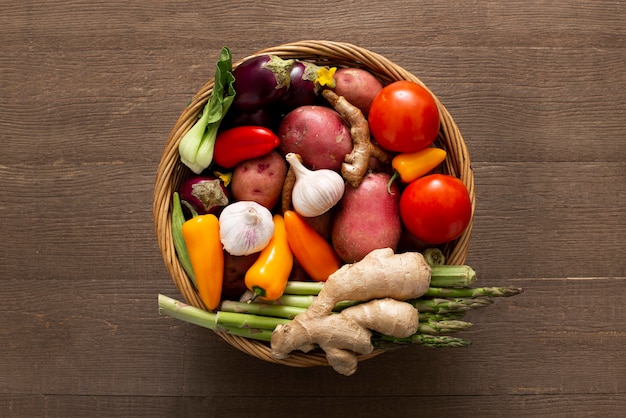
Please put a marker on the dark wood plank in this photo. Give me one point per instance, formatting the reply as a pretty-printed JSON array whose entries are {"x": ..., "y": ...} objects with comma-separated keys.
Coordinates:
[{"x": 312, "y": 406}]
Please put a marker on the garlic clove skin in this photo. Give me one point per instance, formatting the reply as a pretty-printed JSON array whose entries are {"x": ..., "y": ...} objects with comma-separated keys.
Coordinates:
[
  {"x": 246, "y": 227},
  {"x": 315, "y": 191}
]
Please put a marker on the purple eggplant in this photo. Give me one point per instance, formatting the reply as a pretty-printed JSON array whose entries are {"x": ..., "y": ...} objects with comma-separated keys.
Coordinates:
[
  {"x": 268, "y": 117},
  {"x": 260, "y": 81},
  {"x": 205, "y": 194},
  {"x": 303, "y": 90}
]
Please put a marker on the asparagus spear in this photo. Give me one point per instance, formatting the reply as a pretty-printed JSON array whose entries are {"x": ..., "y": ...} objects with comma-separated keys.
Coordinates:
[
  {"x": 440, "y": 276},
  {"x": 442, "y": 292},
  {"x": 257, "y": 308},
  {"x": 215, "y": 321},
  {"x": 434, "y": 341},
  {"x": 440, "y": 305},
  {"x": 289, "y": 312},
  {"x": 443, "y": 327}
]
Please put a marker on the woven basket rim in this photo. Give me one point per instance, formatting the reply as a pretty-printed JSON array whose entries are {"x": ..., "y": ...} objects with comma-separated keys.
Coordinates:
[{"x": 171, "y": 172}]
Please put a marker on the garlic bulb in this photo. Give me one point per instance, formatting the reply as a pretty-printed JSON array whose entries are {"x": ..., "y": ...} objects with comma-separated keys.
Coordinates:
[
  {"x": 315, "y": 191},
  {"x": 246, "y": 227}
]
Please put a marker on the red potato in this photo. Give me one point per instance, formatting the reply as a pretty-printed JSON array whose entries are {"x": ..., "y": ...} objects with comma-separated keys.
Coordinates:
[
  {"x": 318, "y": 134},
  {"x": 358, "y": 86},
  {"x": 367, "y": 218},
  {"x": 260, "y": 179}
]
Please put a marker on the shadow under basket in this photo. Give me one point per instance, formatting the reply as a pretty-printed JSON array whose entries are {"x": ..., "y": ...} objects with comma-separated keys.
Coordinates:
[{"x": 171, "y": 173}]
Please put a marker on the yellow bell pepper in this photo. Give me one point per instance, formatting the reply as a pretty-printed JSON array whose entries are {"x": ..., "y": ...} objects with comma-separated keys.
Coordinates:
[
  {"x": 410, "y": 166},
  {"x": 269, "y": 274},
  {"x": 202, "y": 237}
]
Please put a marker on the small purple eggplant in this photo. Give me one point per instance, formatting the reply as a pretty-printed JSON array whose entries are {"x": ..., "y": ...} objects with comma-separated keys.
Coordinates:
[
  {"x": 303, "y": 90},
  {"x": 260, "y": 81},
  {"x": 205, "y": 194},
  {"x": 268, "y": 117}
]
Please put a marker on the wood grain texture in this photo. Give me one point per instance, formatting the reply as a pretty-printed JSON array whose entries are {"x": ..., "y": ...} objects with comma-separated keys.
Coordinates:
[{"x": 88, "y": 95}]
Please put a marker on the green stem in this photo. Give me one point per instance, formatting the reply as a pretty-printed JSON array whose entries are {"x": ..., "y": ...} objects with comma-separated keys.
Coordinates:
[
  {"x": 178, "y": 219},
  {"x": 393, "y": 178}
]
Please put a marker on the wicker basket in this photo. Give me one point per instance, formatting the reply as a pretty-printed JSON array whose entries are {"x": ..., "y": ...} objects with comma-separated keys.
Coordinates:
[{"x": 171, "y": 173}]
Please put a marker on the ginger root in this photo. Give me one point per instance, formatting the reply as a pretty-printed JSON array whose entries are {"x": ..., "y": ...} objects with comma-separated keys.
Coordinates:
[
  {"x": 356, "y": 162},
  {"x": 289, "y": 183},
  {"x": 380, "y": 274},
  {"x": 382, "y": 280},
  {"x": 344, "y": 335}
]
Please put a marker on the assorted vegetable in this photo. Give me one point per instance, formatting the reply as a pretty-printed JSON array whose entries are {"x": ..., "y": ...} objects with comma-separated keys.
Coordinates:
[
  {"x": 246, "y": 227},
  {"x": 404, "y": 117},
  {"x": 205, "y": 194},
  {"x": 314, "y": 191},
  {"x": 304, "y": 223},
  {"x": 178, "y": 220},
  {"x": 314, "y": 254},
  {"x": 410, "y": 166},
  {"x": 268, "y": 276},
  {"x": 202, "y": 238},
  {"x": 196, "y": 146},
  {"x": 236, "y": 145},
  {"x": 436, "y": 208}
]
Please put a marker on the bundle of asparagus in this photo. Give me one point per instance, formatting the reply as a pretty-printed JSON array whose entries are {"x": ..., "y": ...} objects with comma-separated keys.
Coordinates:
[{"x": 441, "y": 310}]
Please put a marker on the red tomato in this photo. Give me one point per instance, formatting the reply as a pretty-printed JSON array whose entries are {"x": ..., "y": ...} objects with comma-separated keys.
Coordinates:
[
  {"x": 436, "y": 208},
  {"x": 404, "y": 117}
]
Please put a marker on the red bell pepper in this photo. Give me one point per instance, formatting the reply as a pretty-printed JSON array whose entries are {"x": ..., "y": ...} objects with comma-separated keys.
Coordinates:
[{"x": 241, "y": 143}]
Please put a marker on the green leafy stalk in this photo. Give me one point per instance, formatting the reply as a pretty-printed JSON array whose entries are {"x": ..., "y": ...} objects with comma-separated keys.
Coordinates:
[
  {"x": 441, "y": 292},
  {"x": 178, "y": 219},
  {"x": 197, "y": 145}
]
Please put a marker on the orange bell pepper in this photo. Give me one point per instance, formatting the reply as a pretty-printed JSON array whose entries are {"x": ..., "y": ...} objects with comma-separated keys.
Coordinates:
[
  {"x": 316, "y": 256},
  {"x": 202, "y": 237}
]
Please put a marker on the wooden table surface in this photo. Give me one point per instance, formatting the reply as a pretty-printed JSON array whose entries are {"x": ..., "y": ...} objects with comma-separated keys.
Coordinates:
[{"x": 89, "y": 93}]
